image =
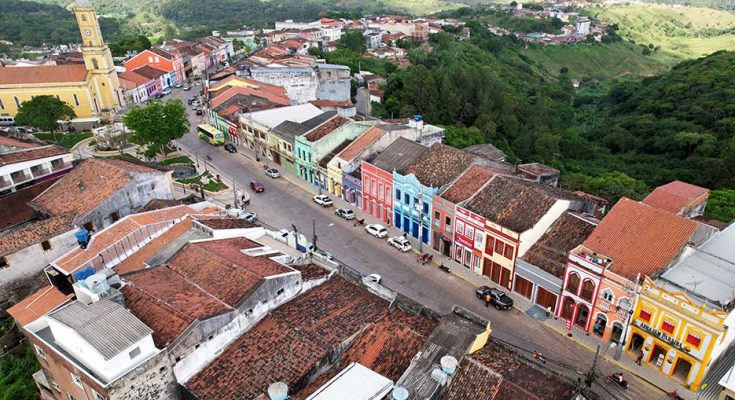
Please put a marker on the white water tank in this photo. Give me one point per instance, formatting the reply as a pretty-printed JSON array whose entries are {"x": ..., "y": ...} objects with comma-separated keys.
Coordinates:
[
  {"x": 278, "y": 391},
  {"x": 399, "y": 393},
  {"x": 449, "y": 364},
  {"x": 97, "y": 283}
]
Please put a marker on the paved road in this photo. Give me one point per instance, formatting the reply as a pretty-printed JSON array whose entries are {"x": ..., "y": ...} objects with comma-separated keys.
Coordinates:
[{"x": 284, "y": 203}]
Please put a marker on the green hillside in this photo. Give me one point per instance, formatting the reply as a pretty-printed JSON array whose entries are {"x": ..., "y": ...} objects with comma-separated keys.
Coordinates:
[{"x": 678, "y": 32}]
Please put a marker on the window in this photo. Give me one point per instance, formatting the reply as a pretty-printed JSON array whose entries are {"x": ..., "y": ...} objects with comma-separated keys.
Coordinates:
[
  {"x": 508, "y": 253},
  {"x": 489, "y": 245},
  {"x": 76, "y": 379},
  {"x": 17, "y": 103},
  {"x": 95, "y": 65},
  {"x": 76, "y": 99},
  {"x": 84, "y": 17},
  {"x": 115, "y": 216},
  {"x": 134, "y": 353},
  {"x": 448, "y": 221},
  {"x": 3, "y": 262},
  {"x": 573, "y": 283},
  {"x": 499, "y": 246},
  {"x": 40, "y": 352},
  {"x": 46, "y": 245},
  {"x": 608, "y": 296},
  {"x": 373, "y": 185},
  {"x": 280, "y": 292},
  {"x": 398, "y": 195},
  {"x": 668, "y": 326},
  {"x": 380, "y": 191},
  {"x": 407, "y": 198},
  {"x": 425, "y": 208},
  {"x": 437, "y": 215},
  {"x": 469, "y": 231},
  {"x": 588, "y": 289},
  {"x": 460, "y": 227},
  {"x": 467, "y": 257},
  {"x": 644, "y": 315},
  {"x": 693, "y": 339},
  {"x": 387, "y": 193}
]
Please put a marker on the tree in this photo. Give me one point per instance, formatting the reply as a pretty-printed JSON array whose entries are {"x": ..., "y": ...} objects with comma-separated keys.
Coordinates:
[
  {"x": 353, "y": 41},
  {"x": 157, "y": 124},
  {"x": 721, "y": 205},
  {"x": 614, "y": 185},
  {"x": 42, "y": 112}
]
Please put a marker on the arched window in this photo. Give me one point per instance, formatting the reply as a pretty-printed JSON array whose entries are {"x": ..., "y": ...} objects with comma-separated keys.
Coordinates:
[
  {"x": 567, "y": 308},
  {"x": 588, "y": 289},
  {"x": 608, "y": 296},
  {"x": 573, "y": 283},
  {"x": 95, "y": 65}
]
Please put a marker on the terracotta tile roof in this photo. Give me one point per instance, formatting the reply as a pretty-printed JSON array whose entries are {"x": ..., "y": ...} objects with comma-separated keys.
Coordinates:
[
  {"x": 115, "y": 232},
  {"x": 37, "y": 305},
  {"x": 640, "y": 238},
  {"x": 133, "y": 77},
  {"x": 326, "y": 128},
  {"x": 137, "y": 261},
  {"x": 14, "y": 209},
  {"x": 87, "y": 186},
  {"x": 326, "y": 159},
  {"x": 310, "y": 271},
  {"x": 168, "y": 303},
  {"x": 264, "y": 87},
  {"x": 440, "y": 165},
  {"x": 550, "y": 252},
  {"x": 157, "y": 204},
  {"x": 43, "y": 74},
  {"x": 10, "y": 142},
  {"x": 537, "y": 169},
  {"x": 362, "y": 143},
  {"x": 34, "y": 232},
  {"x": 331, "y": 103},
  {"x": 497, "y": 372},
  {"x": 150, "y": 71},
  {"x": 467, "y": 184},
  {"x": 515, "y": 203},
  {"x": 161, "y": 52},
  {"x": 674, "y": 196},
  {"x": 289, "y": 342},
  {"x": 32, "y": 153},
  {"x": 228, "y": 93},
  {"x": 228, "y": 223}
]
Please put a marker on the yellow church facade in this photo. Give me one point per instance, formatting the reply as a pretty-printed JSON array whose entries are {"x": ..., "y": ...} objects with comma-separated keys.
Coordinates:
[{"x": 92, "y": 89}]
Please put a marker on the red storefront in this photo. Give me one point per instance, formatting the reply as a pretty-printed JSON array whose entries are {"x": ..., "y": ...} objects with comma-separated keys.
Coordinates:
[{"x": 377, "y": 192}]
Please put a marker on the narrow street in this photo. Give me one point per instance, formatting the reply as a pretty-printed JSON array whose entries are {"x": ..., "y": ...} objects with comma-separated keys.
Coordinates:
[{"x": 283, "y": 204}]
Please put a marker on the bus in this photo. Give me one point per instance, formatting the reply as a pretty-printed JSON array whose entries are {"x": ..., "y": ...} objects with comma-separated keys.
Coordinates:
[
  {"x": 210, "y": 134},
  {"x": 6, "y": 120}
]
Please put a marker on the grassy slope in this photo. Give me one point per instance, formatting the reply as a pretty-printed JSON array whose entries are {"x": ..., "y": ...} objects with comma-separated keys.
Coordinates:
[
  {"x": 598, "y": 61},
  {"x": 677, "y": 29}
]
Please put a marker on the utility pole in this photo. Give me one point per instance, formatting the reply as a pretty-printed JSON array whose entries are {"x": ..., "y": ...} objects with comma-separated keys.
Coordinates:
[
  {"x": 313, "y": 237},
  {"x": 591, "y": 374}
]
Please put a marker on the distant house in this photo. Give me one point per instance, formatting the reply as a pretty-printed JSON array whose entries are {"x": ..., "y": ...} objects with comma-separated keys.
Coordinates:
[
  {"x": 680, "y": 198},
  {"x": 137, "y": 88},
  {"x": 162, "y": 60}
]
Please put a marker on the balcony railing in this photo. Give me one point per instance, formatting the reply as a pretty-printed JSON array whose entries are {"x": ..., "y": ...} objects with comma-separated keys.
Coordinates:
[{"x": 60, "y": 166}]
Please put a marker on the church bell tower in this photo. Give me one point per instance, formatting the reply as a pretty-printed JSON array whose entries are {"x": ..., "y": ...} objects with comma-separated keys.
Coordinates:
[{"x": 102, "y": 78}]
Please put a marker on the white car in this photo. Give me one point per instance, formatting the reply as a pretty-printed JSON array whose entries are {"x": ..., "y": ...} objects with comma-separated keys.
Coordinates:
[
  {"x": 400, "y": 242},
  {"x": 377, "y": 230},
  {"x": 345, "y": 213},
  {"x": 166, "y": 91},
  {"x": 273, "y": 173},
  {"x": 249, "y": 216},
  {"x": 374, "y": 278},
  {"x": 323, "y": 200}
]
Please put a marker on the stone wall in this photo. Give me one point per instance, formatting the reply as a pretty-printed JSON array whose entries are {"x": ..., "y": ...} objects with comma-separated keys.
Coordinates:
[{"x": 151, "y": 380}]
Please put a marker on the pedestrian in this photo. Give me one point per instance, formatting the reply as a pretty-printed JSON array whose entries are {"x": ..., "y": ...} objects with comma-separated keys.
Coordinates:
[
  {"x": 487, "y": 299},
  {"x": 639, "y": 358},
  {"x": 548, "y": 312}
]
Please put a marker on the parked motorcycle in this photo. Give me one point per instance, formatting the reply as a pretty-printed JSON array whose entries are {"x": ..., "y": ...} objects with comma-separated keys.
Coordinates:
[
  {"x": 359, "y": 221},
  {"x": 674, "y": 395},
  {"x": 425, "y": 258},
  {"x": 618, "y": 379}
]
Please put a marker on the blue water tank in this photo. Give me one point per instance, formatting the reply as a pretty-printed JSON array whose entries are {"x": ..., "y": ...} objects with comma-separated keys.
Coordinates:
[
  {"x": 82, "y": 236},
  {"x": 417, "y": 117},
  {"x": 83, "y": 273}
]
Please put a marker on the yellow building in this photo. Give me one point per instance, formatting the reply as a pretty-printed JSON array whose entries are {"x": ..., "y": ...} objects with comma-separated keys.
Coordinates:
[
  {"x": 92, "y": 89},
  {"x": 685, "y": 320}
]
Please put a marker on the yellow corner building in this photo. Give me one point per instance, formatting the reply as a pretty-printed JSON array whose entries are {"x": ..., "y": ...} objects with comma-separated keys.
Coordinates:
[
  {"x": 92, "y": 89},
  {"x": 684, "y": 321}
]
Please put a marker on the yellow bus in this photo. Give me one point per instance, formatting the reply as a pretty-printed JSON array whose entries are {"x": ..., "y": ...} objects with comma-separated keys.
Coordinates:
[{"x": 210, "y": 134}]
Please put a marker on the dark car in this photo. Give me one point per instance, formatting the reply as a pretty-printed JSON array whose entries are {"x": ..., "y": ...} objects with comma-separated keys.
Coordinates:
[
  {"x": 257, "y": 186},
  {"x": 230, "y": 148},
  {"x": 498, "y": 298}
]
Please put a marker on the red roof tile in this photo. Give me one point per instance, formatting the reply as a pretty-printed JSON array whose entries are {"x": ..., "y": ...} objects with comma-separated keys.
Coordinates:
[
  {"x": 133, "y": 77},
  {"x": 14, "y": 209},
  {"x": 639, "y": 238},
  {"x": 37, "y": 305},
  {"x": 168, "y": 303},
  {"x": 6, "y": 141},
  {"x": 326, "y": 128},
  {"x": 362, "y": 143},
  {"x": 675, "y": 196},
  {"x": 310, "y": 271},
  {"x": 43, "y": 74},
  {"x": 226, "y": 94},
  {"x": 150, "y": 71},
  {"x": 440, "y": 165},
  {"x": 33, "y": 233},
  {"x": 467, "y": 184},
  {"x": 289, "y": 342},
  {"x": 137, "y": 260},
  {"x": 550, "y": 252},
  {"x": 32, "y": 153}
]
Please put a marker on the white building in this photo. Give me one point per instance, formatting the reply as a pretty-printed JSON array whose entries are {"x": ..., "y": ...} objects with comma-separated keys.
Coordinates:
[
  {"x": 301, "y": 84},
  {"x": 582, "y": 27},
  {"x": 298, "y": 25}
]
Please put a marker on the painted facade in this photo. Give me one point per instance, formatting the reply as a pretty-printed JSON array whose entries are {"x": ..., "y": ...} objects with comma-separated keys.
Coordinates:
[
  {"x": 377, "y": 203},
  {"x": 412, "y": 206},
  {"x": 442, "y": 225}
]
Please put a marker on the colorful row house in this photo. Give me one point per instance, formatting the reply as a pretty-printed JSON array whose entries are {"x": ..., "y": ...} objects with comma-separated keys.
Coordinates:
[
  {"x": 377, "y": 177},
  {"x": 350, "y": 158},
  {"x": 414, "y": 191},
  {"x": 602, "y": 275},
  {"x": 163, "y": 60},
  {"x": 503, "y": 219},
  {"x": 683, "y": 321}
]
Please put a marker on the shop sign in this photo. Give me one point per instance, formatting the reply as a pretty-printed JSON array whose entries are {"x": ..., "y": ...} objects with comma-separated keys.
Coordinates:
[{"x": 660, "y": 335}]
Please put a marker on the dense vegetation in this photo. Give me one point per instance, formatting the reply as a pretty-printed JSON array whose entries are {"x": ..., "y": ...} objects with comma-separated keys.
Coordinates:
[
  {"x": 16, "y": 376},
  {"x": 32, "y": 24},
  {"x": 526, "y": 24}
]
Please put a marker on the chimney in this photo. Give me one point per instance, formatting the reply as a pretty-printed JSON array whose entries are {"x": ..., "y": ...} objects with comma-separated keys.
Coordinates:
[{"x": 278, "y": 391}]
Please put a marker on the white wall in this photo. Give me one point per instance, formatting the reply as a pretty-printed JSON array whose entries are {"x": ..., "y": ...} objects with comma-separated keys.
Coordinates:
[{"x": 531, "y": 236}]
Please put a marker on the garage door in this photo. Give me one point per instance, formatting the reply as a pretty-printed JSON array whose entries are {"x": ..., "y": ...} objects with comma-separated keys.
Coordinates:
[
  {"x": 545, "y": 298},
  {"x": 523, "y": 287}
]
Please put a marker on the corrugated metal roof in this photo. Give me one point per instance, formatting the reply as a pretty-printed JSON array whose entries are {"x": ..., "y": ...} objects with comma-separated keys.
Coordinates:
[
  {"x": 355, "y": 382},
  {"x": 106, "y": 325}
]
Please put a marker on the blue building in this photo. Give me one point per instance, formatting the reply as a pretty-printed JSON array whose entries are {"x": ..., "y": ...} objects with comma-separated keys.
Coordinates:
[{"x": 413, "y": 191}]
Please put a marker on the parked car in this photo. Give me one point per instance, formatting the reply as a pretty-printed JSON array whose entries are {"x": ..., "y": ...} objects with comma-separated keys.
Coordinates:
[
  {"x": 187, "y": 88},
  {"x": 158, "y": 96},
  {"x": 374, "y": 278},
  {"x": 178, "y": 85},
  {"x": 345, "y": 213},
  {"x": 195, "y": 103},
  {"x": 272, "y": 172},
  {"x": 498, "y": 298},
  {"x": 242, "y": 214},
  {"x": 230, "y": 148},
  {"x": 166, "y": 91},
  {"x": 400, "y": 242},
  {"x": 323, "y": 200},
  {"x": 257, "y": 186},
  {"x": 377, "y": 230},
  {"x": 190, "y": 101}
]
